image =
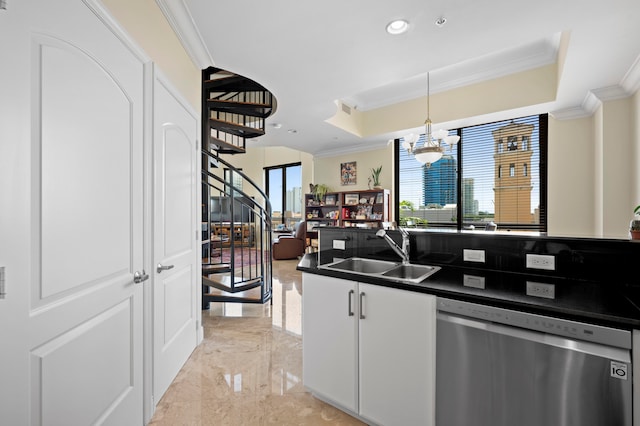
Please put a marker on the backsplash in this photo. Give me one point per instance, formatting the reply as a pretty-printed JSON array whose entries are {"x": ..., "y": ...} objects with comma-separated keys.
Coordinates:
[{"x": 577, "y": 258}]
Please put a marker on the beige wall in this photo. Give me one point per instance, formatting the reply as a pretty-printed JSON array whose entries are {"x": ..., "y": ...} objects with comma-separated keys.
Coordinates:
[
  {"x": 593, "y": 171},
  {"x": 257, "y": 158},
  {"x": 146, "y": 24},
  {"x": 327, "y": 169}
]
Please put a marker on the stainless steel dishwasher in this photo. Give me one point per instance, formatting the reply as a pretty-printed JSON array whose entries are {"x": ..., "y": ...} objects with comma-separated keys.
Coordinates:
[{"x": 500, "y": 367}]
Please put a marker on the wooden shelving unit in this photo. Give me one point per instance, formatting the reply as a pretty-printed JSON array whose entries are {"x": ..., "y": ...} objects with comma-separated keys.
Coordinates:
[{"x": 366, "y": 208}]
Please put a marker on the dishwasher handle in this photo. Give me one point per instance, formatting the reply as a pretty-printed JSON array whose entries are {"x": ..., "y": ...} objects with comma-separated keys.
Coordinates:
[{"x": 596, "y": 349}]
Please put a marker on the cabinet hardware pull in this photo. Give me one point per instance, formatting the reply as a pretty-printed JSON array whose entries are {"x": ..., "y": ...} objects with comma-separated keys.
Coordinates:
[
  {"x": 350, "y": 303},
  {"x": 362, "y": 305}
]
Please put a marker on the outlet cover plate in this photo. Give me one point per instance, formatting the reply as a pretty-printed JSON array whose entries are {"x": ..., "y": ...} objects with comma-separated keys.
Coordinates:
[{"x": 541, "y": 261}]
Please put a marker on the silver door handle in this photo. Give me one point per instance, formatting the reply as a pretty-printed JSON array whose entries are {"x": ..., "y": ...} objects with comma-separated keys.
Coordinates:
[
  {"x": 362, "y": 305},
  {"x": 161, "y": 268},
  {"x": 350, "y": 311},
  {"x": 140, "y": 277}
]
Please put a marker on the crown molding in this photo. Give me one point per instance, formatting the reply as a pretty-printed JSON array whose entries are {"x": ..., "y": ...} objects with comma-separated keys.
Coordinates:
[
  {"x": 352, "y": 149},
  {"x": 628, "y": 86},
  {"x": 631, "y": 80},
  {"x": 183, "y": 25}
]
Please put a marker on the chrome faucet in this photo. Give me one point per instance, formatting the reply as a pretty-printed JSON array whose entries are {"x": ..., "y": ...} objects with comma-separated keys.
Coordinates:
[{"x": 402, "y": 252}]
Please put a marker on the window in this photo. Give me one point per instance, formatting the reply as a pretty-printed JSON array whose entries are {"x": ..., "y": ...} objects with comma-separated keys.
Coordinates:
[
  {"x": 235, "y": 179},
  {"x": 284, "y": 189},
  {"x": 472, "y": 176}
]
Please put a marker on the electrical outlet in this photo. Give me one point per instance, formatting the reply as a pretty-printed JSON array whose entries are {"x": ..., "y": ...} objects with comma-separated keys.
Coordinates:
[
  {"x": 541, "y": 261},
  {"x": 469, "y": 255},
  {"x": 473, "y": 281},
  {"x": 547, "y": 291},
  {"x": 339, "y": 244}
]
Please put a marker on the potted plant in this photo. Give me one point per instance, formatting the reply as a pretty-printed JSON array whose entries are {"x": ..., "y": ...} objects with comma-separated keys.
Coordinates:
[
  {"x": 375, "y": 176},
  {"x": 634, "y": 226},
  {"x": 319, "y": 191}
]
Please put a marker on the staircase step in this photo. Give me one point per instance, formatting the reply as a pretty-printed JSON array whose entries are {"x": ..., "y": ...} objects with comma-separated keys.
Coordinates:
[
  {"x": 232, "y": 83},
  {"x": 215, "y": 268},
  {"x": 223, "y": 282},
  {"x": 235, "y": 128},
  {"x": 247, "y": 108},
  {"x": 224, "y": 147}
]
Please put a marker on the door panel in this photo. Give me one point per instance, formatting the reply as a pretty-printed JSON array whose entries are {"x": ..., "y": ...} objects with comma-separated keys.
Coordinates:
[
  {"x": 86, "y": 160},
  {"x": 73, "y": 140},
  {"x": 175, "y": 294}
]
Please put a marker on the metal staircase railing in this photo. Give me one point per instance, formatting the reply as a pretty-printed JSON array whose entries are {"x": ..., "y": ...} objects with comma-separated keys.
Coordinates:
[{"x": 236, "y": 265}]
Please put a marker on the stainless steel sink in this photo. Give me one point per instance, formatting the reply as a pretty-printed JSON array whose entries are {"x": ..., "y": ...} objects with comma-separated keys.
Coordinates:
[
  {"x": 362, "y": 266},
  {"x": 383, "y": 269},
  {"x": 412, "y": 273}
]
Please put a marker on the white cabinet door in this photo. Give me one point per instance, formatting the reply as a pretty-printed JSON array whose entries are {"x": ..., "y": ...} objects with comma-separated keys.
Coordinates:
[
  {"x": 329, "y": 339},
  {"x": 397, "y": 356}
]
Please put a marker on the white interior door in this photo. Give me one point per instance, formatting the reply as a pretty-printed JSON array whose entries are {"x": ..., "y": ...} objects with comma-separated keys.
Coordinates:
[
  {"x": 175, "y": 235},
  {"x": 72, "y": 218}
]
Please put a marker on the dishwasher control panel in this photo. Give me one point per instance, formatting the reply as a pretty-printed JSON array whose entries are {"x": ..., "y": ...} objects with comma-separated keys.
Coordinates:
[{"x": 558, "y": 326}]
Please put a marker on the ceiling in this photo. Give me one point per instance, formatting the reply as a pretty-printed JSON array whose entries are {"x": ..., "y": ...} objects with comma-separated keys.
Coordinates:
[{"x": 316, "y": 56}]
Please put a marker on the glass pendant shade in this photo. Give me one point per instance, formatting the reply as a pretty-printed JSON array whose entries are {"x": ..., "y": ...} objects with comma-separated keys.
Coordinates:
[{"x": 428, "y": 154}]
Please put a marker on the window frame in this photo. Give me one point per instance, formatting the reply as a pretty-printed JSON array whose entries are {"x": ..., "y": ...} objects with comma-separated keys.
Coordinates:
[
  {"x": 283, "y": 219},
  {"x": 543, "y": 122}
]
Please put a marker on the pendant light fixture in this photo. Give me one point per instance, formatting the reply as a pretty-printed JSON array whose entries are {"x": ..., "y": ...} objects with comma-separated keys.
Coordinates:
[{"x": 432, "y": 149}]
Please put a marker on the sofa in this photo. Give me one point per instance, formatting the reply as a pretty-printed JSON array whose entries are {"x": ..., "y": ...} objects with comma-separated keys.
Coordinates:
[{"x": 291, "y": 246}]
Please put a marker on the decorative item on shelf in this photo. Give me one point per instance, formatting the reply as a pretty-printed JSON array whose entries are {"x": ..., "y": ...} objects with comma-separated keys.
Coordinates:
[
  {"x": 363, "y": 200},
  {"x": 375, "y": 177},
  {"x": 345, "y": 213},
  {"x": 432, "y": 148},
  {"x": 380, "y": 198},
  {"x": 351, "y": 199},
  {"x": 319, "y": 191},
  {"x": 330, "y": 200},
  {"x": 634, "y": 226}
]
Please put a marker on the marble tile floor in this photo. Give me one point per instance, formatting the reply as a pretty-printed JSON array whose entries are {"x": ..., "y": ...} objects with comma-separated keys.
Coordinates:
[{"x": 248, "y": 369}]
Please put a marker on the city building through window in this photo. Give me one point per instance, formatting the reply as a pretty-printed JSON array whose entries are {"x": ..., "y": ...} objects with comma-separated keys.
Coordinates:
[{"x": 284, "y": 189}]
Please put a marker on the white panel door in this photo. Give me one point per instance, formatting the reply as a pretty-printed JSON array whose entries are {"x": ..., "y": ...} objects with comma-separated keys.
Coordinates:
[
  {"x": 175, "y": 236},
  {"x": 72, "y": 219}
]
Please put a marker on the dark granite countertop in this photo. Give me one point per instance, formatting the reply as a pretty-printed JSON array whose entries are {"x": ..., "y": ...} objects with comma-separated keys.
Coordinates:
[{"x": 582, "y": 300}]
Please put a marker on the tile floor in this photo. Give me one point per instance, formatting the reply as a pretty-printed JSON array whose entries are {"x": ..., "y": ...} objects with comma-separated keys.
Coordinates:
[{"x": 248, "y": 369}]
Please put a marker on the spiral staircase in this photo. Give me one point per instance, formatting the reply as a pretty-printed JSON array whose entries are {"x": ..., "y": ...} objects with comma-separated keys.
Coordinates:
[{"x": 236, "y": 219}]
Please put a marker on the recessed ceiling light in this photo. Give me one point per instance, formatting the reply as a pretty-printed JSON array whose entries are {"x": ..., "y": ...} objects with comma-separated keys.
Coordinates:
[
  {"x": 276, "y": 125},
  {"x": 292, "y": 131},
  {"x": 398, "y": 26}
]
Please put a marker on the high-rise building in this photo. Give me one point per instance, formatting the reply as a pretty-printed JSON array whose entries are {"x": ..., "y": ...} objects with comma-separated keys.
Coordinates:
[
  {"x": 469, "y": 204},
  {"x": 512, "y": 177},
  {"x": 439, "y": 182}
]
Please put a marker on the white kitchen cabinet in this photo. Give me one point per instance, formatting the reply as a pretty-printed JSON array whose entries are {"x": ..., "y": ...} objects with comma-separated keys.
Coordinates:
[
  {"x": 330, "y": 339},
  {"x": 378, "y": 363}
]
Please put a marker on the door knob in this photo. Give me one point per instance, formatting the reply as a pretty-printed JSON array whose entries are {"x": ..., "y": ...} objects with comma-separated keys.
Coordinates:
[
  {"x": 139, "y": 277},
  {"x": 161, "y": 268}
]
